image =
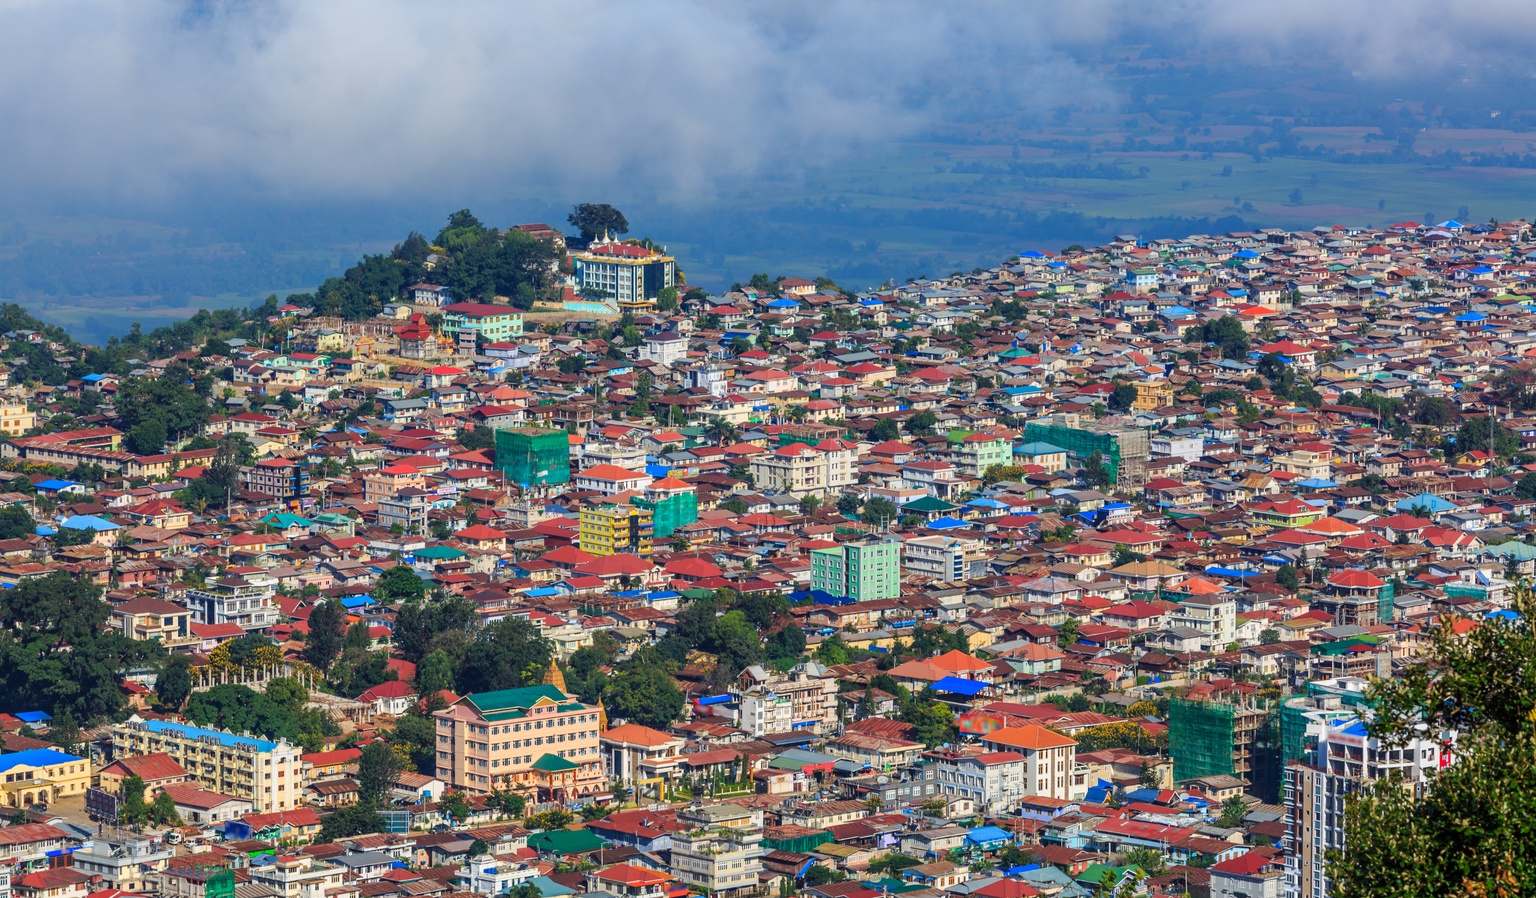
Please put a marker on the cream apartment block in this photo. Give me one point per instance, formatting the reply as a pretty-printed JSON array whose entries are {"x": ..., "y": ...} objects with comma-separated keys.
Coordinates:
[
  {"x": 721, "y": 851},
  {"x": 803, "y": 699},
  {"x": 268, "y": 774},
  {"x": 1049, "y": 758},
  {"x": 533, "y": 740},
  {"x": 802, "y": 470}
]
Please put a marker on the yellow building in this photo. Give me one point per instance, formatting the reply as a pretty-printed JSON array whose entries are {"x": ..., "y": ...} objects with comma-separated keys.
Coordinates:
[
  {"x": 330, "y": 341},
  {"x": 42, "y": 776},
  {"x": 1151, "y": 394},
  {"x": 15, "y": 419},
  {"x": 614, "y": 529}
]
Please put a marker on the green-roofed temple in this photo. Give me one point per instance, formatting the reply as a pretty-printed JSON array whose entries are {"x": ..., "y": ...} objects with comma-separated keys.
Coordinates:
[{"x": 535, "y": 740}]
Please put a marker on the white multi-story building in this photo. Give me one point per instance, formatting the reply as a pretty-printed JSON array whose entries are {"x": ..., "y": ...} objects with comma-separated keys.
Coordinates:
[
  {"x": 802, "y": 470},
  {"x": 295, "y": 876},
  {"x": 721, "y": 851},
  {"x": 803, "y": 699},
  {"x": 1214, "y": 617},
  {"x": 243, "y": 598},
  {"x": 996, "y": 781},
  {"x": 122, "y": 863},
  {"x": 1347, "y": 759},
  {"x": 667, "y": 348},
  {"x": 946, "y": 559}
]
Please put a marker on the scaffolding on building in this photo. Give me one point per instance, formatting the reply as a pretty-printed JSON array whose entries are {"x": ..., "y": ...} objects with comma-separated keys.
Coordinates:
[
  {"x": 1200, "y": 738},
  {"x": 671, "y": 514},
  {"x": 534, "y": 455},
  {"x": 1125, "y": 450}
]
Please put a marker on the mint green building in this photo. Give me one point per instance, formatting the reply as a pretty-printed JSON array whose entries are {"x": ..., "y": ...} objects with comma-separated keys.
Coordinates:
[{"x": 861, "y": 571}]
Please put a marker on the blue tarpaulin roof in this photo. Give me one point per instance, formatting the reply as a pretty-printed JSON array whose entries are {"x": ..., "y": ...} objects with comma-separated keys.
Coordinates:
[
  {"x": 982, "y": 835},
  {"x": 959, "y": 686},
  {"x": 947, "y": 523},
  {"x": 357, "y": 601}
]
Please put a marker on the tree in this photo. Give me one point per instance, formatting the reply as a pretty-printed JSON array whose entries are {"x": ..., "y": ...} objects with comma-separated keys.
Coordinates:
[
  {"x": 1123, "y": 555},
  {"x": 646, "y": 695},
  {"x": 1123, "y": 396},
  {"x": 809, "y": 504},
  {"x": 506, "y": 654},
  {"x": 885, "y": 429},
  {"x": 1269, "y": 636},
  {"x": 1002, "y": 474},
  {"x": 1288, "y": 578},
  {"x": 478, "y": 439},
  {"x": 598, "y": 221},
  {"x": 174, "y": 682},
  {"x": 57, "y": 652},
  {"x": 417, "y": 624},
  {"x": 478, "y": 847},
  {"x": 163, "y": 810},
  {"x": 377, "y": 771},
  {"x": 133, "y": 810},
  {"x": 434, "y": 673},
  {"x": 16, "y": 522},
  {"x": 1225, "y": 332},
  {"x": 417, "y": 734},
  {"x": 1232, "y": 812},
  {"x": 1526, "y": 487},
  {"x": 399, "y": 584},
  {"x": 787, "y": 643},
  {"x": 147, "y": 437},
  {"x": 1435, "y": 411},
  {"x": 1067, "y": 633},
  {"x": 327, "y": 629},
  {"x": 734, "y": 641},
  {"x": 1150, "y": 860},
  {"x": 1466, "y": 834},
  {"x": 1096, "y": 474},
  {"x": 878, "y": 511},
  {"x": 922, "y": 423},
  {"x": 933, "y": 720},
  {"x": 342, "y": 823}
]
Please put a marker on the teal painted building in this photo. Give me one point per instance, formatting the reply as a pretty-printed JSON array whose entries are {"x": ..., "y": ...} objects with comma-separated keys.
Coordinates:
[{"x": 870, "y": 569}]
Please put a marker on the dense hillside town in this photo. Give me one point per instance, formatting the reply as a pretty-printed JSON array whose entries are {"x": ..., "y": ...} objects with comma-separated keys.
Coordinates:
[{"x": 509, "y": 563}]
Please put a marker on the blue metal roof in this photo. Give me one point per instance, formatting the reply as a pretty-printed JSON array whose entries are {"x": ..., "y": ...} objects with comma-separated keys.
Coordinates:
[
  {"x": 227, "y": 739},
  {"x": 34, "y": 757},
  {"x": 959, "y": 686},
  {"x": 947, "y": 523},
  {"x": 54, "y": 484}
]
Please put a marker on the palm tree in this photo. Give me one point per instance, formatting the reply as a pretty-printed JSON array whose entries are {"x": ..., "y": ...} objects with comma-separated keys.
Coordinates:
[{"x": 721, "y": 431}]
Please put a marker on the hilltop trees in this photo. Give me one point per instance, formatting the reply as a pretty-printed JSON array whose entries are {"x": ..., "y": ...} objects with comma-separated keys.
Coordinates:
[
  {"x": 598, "y": 221},
  {"x": 56, "y": 652},
  {"x": 1468, "y": 832}
]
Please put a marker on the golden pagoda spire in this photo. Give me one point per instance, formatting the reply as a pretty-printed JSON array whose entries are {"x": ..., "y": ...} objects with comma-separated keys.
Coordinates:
[
  {"x": 602, "y": 717},
  {"x": 555, "y": 677}
]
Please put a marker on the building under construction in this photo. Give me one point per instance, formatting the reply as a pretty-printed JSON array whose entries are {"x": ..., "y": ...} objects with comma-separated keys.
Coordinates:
[
  {"x": 534, "y": 455},
  {"x": 1235, "y": 736},
  {"x": 1125, "y": 450}
]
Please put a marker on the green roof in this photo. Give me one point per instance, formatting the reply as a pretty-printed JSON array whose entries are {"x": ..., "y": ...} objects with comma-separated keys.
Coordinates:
[
  {"x": 514, "y": 699},
  {"x": 285, "y": 520},
  {"x": 554, "y": 764},
  {"x": 928, "y": 503},
  {"x": 440, "y": 552},
  {"x": 565, "y": 841}
]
